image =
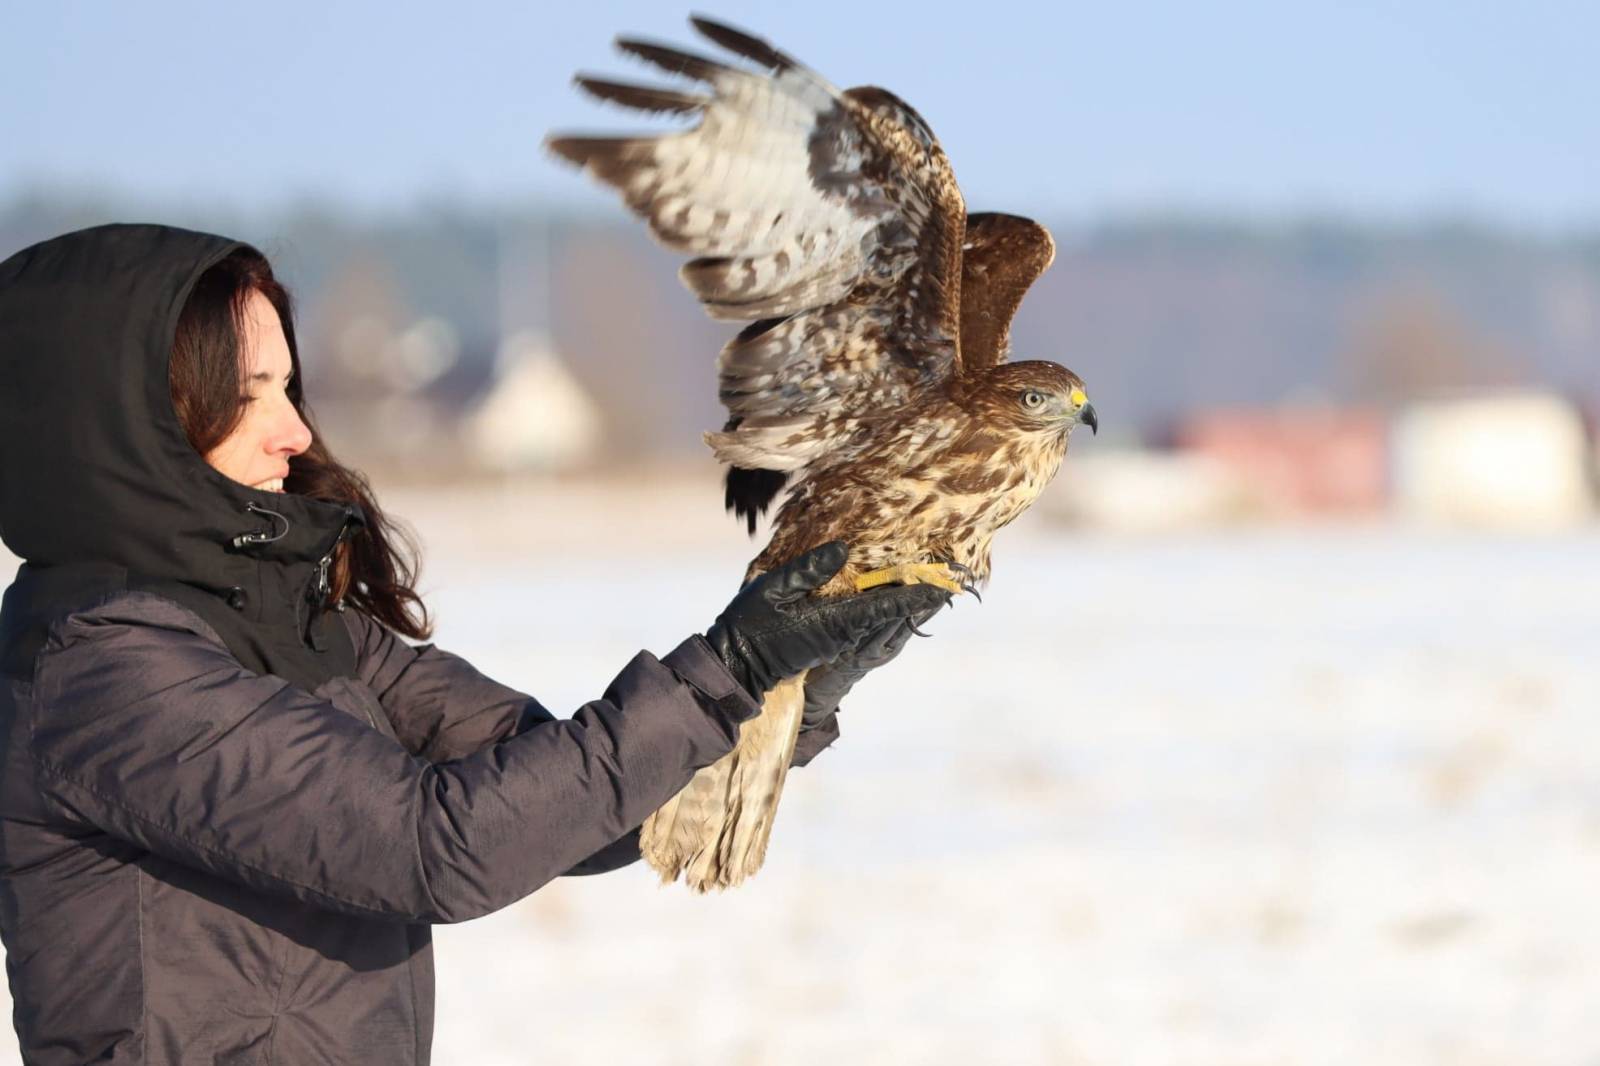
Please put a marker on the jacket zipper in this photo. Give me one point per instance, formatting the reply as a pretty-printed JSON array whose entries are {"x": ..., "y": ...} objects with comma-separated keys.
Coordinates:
[{"x": 319, "y": 588}]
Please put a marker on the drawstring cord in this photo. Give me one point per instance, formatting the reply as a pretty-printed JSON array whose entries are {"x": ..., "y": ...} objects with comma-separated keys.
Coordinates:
[
  {"x": 313, "y": 601},
  {"x": 245, "y": 540}
]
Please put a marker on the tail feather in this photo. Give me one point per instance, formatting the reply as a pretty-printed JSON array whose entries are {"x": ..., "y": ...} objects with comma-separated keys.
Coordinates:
[
  {"x": 668, "y": 840},
  {"x": 745, "y": 846},
  {"x": 715, "y": 831}
]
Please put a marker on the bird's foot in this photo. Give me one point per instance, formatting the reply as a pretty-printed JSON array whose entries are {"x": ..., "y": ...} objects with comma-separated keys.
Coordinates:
[
  {"x": 967, "y": 584},
  {"x": 949, "y": 576}
]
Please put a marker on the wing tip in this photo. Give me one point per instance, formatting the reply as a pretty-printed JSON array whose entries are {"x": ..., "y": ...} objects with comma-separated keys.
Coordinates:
[
  {"x": 673, "y": 60},
  {"x": 608, "y": 158},
  {"x": 741, "y": 43},
  {"x": 569, "y": 148},
  {"x": 640, "y": 97},
  {"x": 748, "y": 493}
]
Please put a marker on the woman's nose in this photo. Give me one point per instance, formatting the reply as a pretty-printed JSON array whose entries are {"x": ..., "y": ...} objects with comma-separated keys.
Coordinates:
[{"x": 293, "y": 436}]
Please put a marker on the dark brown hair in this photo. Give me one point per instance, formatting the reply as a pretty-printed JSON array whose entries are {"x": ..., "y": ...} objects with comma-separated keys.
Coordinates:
[{"x": 375, "y": 570}]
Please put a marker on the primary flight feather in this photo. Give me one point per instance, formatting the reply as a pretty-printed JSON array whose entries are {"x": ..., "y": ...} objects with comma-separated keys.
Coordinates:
[{"x": 873, "y": 377}]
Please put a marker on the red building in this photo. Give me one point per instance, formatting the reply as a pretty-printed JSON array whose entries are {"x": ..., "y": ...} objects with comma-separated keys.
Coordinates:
[{"x": 1316, "y": 461}]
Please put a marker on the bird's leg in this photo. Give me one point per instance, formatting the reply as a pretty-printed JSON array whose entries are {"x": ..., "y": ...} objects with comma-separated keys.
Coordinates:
[
  {"x": 910, "y": 574},
  {"x": 946, "y": 575}
]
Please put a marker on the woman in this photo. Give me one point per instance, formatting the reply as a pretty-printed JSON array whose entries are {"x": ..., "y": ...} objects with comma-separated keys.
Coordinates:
[{"x": 232, "y": 800}]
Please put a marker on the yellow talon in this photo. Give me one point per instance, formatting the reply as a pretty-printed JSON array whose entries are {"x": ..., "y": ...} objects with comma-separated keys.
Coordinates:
[{"x": 911, "y": 574}]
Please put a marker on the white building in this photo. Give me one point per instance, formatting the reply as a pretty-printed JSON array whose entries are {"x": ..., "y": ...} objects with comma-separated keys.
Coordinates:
[
  {"x": 1508, "y": 460},
  {"x": 535, "y": 416}
]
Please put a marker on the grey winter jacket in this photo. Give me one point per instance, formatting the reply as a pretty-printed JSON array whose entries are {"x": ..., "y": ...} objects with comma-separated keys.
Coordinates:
[
  {"x": 229, "y": 815},
  {"x": 203, "y": 864}
]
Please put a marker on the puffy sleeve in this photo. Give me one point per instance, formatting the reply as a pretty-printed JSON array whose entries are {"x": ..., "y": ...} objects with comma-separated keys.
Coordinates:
[
  {"x": 143, "y": 725},
  {"x": 440, "y": 706}
]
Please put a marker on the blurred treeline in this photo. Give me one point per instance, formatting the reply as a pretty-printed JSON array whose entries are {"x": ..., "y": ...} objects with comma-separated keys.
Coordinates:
[{"x": 407, "y": 322}]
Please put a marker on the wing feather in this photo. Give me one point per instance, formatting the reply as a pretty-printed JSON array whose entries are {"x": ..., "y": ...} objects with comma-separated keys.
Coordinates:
[
  {"x": 831, "y": 216},
  {"x": 642, "y": 97},
  {"x": 741, "y": 43},
  {"x": 1002, "y": 256},
  {"x": 677, "y": 61}
]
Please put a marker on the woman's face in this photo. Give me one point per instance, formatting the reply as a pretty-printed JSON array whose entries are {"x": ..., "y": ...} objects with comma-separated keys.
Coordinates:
[{"x": 258, "y": 450}]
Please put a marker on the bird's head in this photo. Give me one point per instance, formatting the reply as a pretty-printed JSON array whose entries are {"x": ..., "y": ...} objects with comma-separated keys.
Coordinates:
[{"x": 1036, "y": 397}]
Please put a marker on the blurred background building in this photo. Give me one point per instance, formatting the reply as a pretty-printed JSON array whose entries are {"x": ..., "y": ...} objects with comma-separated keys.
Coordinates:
[{"x": 1248, "y": 370}]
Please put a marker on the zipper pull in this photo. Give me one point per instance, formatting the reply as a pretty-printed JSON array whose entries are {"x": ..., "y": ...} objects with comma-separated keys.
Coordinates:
[
  {"x": 317, "y": 592},
  {"x": 320, "y": 588}
]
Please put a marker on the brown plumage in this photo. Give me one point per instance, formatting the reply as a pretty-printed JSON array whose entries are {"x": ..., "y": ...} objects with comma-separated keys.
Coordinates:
[{"x": 872, "y": 378}]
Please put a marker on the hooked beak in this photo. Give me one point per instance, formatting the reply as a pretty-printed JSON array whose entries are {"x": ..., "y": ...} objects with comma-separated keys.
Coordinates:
[{"x": 1087, "y": 417}]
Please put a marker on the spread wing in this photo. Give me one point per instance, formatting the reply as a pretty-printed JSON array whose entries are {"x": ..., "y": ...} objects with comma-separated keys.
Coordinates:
[
  {"x": 1001, "y": 257},
  {"x": 830, "y": 220}
]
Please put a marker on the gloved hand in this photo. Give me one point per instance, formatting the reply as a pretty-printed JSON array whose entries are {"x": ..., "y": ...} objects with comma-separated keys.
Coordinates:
[
  {"x": 775, "y": 628},
  {"x": 828, "y": 684}
]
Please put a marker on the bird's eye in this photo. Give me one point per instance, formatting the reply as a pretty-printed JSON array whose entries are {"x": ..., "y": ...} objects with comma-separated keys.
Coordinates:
[{"x": 1033, "y": 399}]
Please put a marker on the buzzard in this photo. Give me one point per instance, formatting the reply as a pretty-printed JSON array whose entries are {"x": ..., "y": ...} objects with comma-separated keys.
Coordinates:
[{"x": 872, "y": 379}]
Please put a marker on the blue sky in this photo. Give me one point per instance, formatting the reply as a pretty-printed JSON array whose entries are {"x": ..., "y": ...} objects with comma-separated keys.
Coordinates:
[{"x": 1384, "y": 110}]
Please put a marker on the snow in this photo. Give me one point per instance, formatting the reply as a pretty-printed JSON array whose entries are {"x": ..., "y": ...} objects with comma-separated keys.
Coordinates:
[{"x": 1239, "y": 797}]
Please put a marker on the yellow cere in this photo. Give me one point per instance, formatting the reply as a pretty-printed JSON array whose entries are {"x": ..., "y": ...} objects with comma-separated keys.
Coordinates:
[{"x": 1079, "y": 398}]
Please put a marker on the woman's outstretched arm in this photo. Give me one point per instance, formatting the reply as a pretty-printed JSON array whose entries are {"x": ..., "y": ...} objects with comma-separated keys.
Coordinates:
[
  {"x": 441, "y": 708},
  {"x": 145, "y": 727}
]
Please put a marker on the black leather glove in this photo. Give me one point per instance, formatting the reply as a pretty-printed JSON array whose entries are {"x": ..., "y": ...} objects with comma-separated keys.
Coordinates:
[
  {"x": 828, "y": 684},
  {"x": 775, "y": 628}
]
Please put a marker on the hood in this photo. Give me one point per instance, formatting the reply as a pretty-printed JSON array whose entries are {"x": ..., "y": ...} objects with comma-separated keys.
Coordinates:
[{"x": 94, "y": 468}]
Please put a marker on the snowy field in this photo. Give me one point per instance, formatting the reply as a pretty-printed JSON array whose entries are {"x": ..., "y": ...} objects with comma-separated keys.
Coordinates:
[{"x": 1230, "y": 798}]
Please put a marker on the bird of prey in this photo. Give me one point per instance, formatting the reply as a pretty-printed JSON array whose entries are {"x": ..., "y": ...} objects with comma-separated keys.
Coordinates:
[{"x": 872, "y": 379}]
